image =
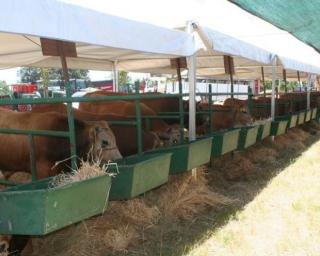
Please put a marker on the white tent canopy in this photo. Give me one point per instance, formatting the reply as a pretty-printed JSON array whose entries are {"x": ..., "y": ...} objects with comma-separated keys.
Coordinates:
[
  {"x": 100, "y": 39},
  {"x": 248, "y": 59}
]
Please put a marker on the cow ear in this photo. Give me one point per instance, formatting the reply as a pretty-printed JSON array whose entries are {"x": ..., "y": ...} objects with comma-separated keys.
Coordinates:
[{"x": 92, "y": 133}]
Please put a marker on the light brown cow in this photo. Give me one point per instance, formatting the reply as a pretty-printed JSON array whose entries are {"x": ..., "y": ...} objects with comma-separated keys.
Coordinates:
[
  {"x": 14, "y": 149},
  {"x": 170, "y": 134},
  {"x": 125, "y": 135},
  {"x": 223, "y": 117}
]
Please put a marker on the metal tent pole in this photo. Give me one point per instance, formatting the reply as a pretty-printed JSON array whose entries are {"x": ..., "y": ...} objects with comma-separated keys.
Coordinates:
[
  {"x": 191, "y": 61},
  {"x": 115, "y": 76}
]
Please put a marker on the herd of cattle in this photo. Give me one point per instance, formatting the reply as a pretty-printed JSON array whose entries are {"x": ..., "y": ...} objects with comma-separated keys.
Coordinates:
[{"x": 113, "y": 141}]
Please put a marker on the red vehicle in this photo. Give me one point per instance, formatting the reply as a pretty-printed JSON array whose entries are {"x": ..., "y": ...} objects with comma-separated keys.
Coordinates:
[{"x": 24, "y": 88}]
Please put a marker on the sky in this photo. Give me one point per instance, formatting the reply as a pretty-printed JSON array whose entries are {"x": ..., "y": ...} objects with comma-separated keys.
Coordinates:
[{"x": 219, "y": 15}]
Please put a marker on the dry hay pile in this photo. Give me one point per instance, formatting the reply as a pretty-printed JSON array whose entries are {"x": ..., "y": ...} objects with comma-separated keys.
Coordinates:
[
  {"x": 291, "y": 142},
  {"x": 120, "y": 227},
  {"x": 185, "y": 196},
  {"x": 261, "y": 154},
  {"x": 236, "y": 166}
]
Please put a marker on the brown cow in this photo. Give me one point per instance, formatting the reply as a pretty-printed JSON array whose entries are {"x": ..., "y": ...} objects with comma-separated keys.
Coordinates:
[
  {"x": 95, "y": 136},
  {"x": 224, "y": 117},
  {"x": 125, "y": 135},
  {"x": 170, "y": 134}
]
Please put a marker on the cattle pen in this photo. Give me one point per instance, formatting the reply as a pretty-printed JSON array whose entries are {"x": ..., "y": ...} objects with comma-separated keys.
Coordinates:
[{"x": 37, "y": 209}]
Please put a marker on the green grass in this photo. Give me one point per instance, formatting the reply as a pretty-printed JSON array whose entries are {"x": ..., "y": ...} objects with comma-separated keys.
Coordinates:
[{"x": 283, "y": 219}]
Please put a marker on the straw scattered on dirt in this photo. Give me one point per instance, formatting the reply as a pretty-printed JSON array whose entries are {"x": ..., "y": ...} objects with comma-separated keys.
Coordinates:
[
  {"x": 185, "y": 196},
  {"x": 130, "y": 226}
]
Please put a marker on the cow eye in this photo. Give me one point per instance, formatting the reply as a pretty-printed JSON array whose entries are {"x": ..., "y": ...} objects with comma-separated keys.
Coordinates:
[{"x": 105, "y": 143}]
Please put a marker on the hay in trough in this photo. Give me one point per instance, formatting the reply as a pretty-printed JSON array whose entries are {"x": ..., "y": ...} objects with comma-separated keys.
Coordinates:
[
  {"x": 87, "y": 170},
  {"x": 185, "y": 196}
]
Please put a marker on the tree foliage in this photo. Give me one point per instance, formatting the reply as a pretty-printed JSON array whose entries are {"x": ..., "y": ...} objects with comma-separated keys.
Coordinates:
[
  {"x": 30, "y": 74},
  {"x": 124, "y": 79},
  {"x": 4, "y": 88}
]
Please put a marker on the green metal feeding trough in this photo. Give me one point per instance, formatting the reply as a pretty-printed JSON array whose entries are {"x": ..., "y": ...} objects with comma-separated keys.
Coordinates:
[
  {"x": 292, "y": 120},
  {"x": 278, "y": 127},
  {"x": 224, "y": 142},
  {"x": 138, "y": 175},
  {"x": 36, "y": 209},
  {"x": 264, "y": 130},
  {"x": 188, "y": 155},
  {"x": 314, "y": 114},
  {"x": 301, "y": 117},
  {"x": 248, "y": 136},
  {"x": 308, "y": 115}
]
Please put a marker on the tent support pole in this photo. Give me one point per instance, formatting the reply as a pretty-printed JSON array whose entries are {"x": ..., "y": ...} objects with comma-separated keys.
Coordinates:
[
  {"x": 72, "y": 135},
  {"x": 115, "y": 76},
  {"x": 191, "y": 61},
  {"x": 264, "y": 86}
]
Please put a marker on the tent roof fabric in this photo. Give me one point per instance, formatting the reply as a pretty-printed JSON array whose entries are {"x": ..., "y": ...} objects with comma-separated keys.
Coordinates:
[
  {"x": 301, "y": 18},
  {"x": 100, "y": 38}
]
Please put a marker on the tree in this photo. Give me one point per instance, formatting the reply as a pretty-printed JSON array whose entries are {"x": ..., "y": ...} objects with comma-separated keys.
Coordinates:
[
  {"x": 4, "y": 88},
  {"x": 123, "y": 78},
  {"x": 30, "y": 74},
  {"x": 45, "y": 81}
]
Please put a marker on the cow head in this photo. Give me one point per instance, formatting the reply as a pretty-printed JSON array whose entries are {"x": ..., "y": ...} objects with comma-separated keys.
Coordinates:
[
  {"x": 242, "y": 118},
  {"x": 4, "y": 244},
  {"x": 103, "y": 142},
  {"x": 171, "y": 136}
]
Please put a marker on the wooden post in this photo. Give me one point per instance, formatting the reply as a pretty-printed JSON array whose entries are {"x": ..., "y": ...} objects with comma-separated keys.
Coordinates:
[
  {"x": 229, "y": 69},
  {"x": 284, "y": 73},
  {"x": 298, "y": 74},
  {"x": 264, "y": 86}
]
